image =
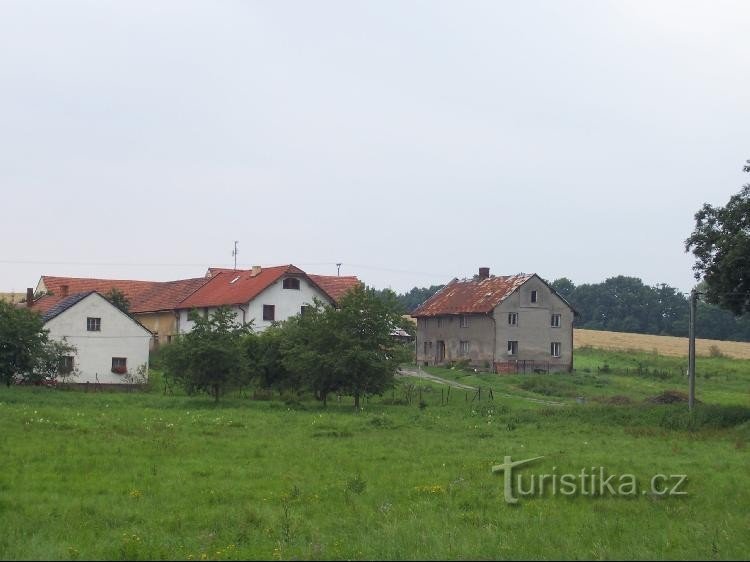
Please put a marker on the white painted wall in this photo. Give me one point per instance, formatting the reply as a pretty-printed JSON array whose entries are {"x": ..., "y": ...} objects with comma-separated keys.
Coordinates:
[
  {"x": 120, "y": 336},
  {"x": 288, "y": 303}
]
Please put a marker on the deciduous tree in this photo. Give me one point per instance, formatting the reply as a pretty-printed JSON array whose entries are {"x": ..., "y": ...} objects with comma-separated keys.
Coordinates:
[{"x": 721, "y": 246}]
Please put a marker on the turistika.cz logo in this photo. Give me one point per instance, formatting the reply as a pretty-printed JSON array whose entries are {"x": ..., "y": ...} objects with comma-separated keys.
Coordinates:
[{"x": 593, "y": 481}]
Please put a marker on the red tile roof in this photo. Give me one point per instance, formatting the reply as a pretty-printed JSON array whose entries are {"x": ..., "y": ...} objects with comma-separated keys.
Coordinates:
[
  {"x": 228, "y": 286},
  {"x": 224, "y": 287},
  {"x": 335, "y": 286},
  {"x": 144, "y": 296},
  {"x": 471, "y": 296}
]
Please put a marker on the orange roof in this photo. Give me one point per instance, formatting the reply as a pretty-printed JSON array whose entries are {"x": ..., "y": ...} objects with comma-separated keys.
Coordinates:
[
  {"x": 471, "y": 296},
  {"x": 144, "y": 296},
  {"x": 227, "y": 287},
  {"x": 335, "y": 286}
]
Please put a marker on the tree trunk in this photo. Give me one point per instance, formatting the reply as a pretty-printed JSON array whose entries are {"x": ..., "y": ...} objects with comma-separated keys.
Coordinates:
[
  {"x": 216, "y": 394},
  {"x": 324, "y": 396},
  {"x": 356, "y": 400}
]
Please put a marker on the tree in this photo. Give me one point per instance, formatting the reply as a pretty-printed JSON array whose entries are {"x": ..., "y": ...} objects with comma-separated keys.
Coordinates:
[
  {"x": 264, "y": 356},
  {"x": 721, "y": 246},
  {"x": 349, "y": 349},
  {"x": 367, "y": 356},
  {"x": 118, "y": 298},
  {"x": 308, "y": 348},
  {"x": 26, "y": 351},
  {"x": 210, "y": 358},
  {"x": 564, "y": 287}
]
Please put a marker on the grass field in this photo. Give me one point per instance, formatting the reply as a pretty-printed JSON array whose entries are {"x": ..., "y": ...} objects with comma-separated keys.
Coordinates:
[
  {"x": 664, "y": 345},
  {"x": 144, "y": 475}
]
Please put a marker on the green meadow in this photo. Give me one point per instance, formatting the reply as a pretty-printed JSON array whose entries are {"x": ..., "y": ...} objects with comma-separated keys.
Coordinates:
[{"x": 148, "y": 475}]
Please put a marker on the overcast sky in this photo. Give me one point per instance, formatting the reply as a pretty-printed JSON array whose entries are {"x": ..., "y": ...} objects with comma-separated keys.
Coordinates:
[{"x": 411, "y": 141}]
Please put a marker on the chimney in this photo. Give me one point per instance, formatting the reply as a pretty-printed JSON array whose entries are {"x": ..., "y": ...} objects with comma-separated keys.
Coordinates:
[
  {"x": 29, "y": 296},
  {"x": 484, "y": 272},
  {"x": 256, "y": 271},
  {"x": 63, "y": 291}
]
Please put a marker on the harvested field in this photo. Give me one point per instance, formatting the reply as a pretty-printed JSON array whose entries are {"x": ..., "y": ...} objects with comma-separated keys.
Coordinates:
[{"x": 664, "y": 345}]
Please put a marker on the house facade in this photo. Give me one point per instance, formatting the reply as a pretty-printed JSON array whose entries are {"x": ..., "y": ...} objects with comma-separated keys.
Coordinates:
[
  {"x": 506, "y": 324},
  {"x": 262, "y": 295},
  {"x": 152, "y": 303},
  {"x": 108, "y": 343}
]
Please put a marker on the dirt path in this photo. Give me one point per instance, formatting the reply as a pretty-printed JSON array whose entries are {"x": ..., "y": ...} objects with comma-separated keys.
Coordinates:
[
  {"x": 427, "y": 376},
  {"x": 439, "y": 380}
]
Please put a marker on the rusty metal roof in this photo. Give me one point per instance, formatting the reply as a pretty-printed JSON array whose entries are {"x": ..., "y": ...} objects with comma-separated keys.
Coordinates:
[{"x": 471, "y": 296}]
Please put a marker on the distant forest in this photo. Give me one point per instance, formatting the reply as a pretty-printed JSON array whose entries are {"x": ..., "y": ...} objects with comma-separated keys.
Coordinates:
[{"x": 626, "y": 304}]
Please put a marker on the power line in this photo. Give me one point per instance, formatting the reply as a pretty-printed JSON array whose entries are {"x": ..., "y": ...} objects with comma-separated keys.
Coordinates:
[{"x": 144, "y": 264}]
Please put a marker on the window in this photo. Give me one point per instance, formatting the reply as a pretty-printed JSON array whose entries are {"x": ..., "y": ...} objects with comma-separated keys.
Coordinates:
[
  {"x": 269, "y": 312},
  {"x": 533, "y": 296},
  {"x": 304, "y": 309},
  {"x": 290, "y": 283},
  {"x": 554, "y": 349},
  {"x": 66, "y": 365},
  {"x": 120, "y": 365},
  {"x": 512, "y": 347},
  {"x": 513, "y": 319},
  {"x": 463, "y": 348},
  {"x": 94, "y": 324},
  {"x": 555, "y": 321},
  {"x": 464, "y": 321},
  {"x": 440, "y": 322}
]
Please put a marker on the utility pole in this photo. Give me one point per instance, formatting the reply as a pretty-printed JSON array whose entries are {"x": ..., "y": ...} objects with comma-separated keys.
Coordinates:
[
  {"x": 234, "y": 253},
  {"x": 338, "y": 270},
  {"x": 691, "y": 350}
]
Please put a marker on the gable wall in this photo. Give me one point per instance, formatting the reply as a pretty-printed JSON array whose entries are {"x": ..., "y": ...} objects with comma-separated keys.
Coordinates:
[
  {"x": 120, "y": 336},
  {"x": 288, "y": 303},
  {"x": 534, "y": 332}
]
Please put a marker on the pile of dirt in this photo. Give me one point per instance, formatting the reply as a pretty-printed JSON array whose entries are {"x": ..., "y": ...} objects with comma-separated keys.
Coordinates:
[{"x": 670, "y": 397}]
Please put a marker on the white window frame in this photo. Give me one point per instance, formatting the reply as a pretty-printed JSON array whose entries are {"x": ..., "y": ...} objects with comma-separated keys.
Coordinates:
[
  {"x": 555, "y": 346},
  {"x": 513, "y": 319},
  {"x": 93, "y": 324},
  {"x": 558, "y": 318},
  {"x": 464, "y": 321},
  {"x": 534, "y": 296}
]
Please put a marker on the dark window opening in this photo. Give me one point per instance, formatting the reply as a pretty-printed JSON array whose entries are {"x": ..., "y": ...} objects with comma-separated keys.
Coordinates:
[
  {"x": 120, "y": 365},
  {"x": 94, "y": 324},
  {"x": 66, "y": 365},
  {"x": 290, "y": 283},
  {"x": 269, "y": 312}
]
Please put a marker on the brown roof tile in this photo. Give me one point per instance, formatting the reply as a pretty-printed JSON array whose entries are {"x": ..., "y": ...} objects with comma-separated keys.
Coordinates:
[
  {"x": 470, "y": 296},
  {"x": 144, "y": 296},
  {"x": 335, "y": 286}
]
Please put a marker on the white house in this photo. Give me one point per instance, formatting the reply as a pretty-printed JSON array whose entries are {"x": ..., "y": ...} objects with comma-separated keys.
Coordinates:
[
  {"x": 109, "y": 343},
  {"x": 262, "y": 295}
]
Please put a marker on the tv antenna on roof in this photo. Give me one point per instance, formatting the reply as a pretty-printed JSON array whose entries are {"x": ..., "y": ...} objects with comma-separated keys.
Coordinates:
[
  {"x": 234, "y": 253},
  {"x": 338, "y": 269}
]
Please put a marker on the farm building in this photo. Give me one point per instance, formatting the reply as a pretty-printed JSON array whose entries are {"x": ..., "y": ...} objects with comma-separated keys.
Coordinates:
[
  {"x": 263, "y": 295},
  {"x": 152, "y": 303},
  {"x": 109, "y": 344},
  {"x": 515, "y": 323}
]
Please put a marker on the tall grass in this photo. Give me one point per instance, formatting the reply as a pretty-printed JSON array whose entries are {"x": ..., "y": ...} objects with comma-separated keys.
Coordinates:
[{"x": 155, "y": 476}]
